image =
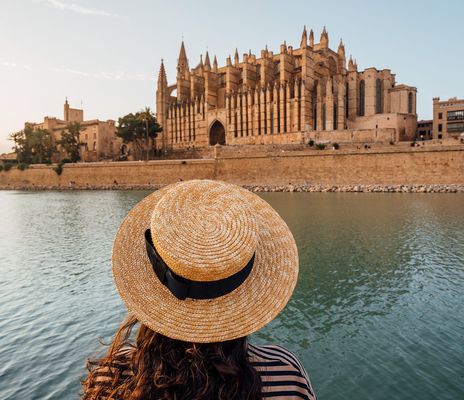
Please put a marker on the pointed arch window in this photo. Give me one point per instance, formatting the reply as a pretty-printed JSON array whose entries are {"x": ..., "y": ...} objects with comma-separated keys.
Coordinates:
[
  {"x": 314, "y": 101},
  {"x": 347, "y": 104},
  {"x": 362, "y": 98},
  {"x": 410, "y": 99},
  {"x": 323, "y": 117},
  {"x": 315, "y": 117},
  {"x": 335, "y": 116},
  {"x": 378, "y": 97}
]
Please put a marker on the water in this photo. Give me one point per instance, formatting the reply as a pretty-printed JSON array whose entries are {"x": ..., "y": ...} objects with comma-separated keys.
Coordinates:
[{"x": 377, "y": 313}]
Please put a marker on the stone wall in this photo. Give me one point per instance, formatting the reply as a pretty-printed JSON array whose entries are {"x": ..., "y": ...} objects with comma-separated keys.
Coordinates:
[
  {"x": 354, "y": 136},
  {"x": 415, "y": 166}
]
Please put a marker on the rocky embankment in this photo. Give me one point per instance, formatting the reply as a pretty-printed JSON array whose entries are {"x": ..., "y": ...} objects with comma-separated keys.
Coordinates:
[
  {"x": 361, "y": 188},
  {"x": 272, "y": 188}
]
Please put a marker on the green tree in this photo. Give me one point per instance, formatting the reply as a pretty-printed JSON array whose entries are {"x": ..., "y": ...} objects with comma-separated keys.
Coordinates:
[
  {"x": 33, "y": 146},
  {"x": 70, "y": 141},
  {"x": 139, "y": 129},
  {"x": 21, "y": 148},
  {"x": 42, "y": 147}
]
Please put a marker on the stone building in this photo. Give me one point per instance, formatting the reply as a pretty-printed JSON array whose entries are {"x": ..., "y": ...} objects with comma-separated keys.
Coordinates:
[
  {"x": 448, "y": 118},
  {"x": 289, "y": 97},
  {"x": 424, "y": 129},
  {"x": 98, "y": 138}
]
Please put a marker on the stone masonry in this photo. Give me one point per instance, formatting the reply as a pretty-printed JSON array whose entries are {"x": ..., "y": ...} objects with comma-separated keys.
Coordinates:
[{"x": 310, "y": 92}]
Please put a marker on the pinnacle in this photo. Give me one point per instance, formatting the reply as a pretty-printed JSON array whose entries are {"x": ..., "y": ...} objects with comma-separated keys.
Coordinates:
[
  {"x": 162, "y": 73},
  {"x": 304, "y": 38}
]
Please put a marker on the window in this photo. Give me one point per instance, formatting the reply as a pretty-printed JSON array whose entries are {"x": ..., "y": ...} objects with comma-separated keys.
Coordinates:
[
  {"x": 314, "y": 101},
  {"x": 315, "y": 117},
  {"x": 455, "y": 115},
  {"x": 335, "y": 122},
  {"x": 323, "y": 117},
  {"x": 94, "y": 146},
  {"x": 440, "y": 127},
  {"x": 410, "y": 103},
  {"x": 347, "y": 104},
  {"x": 95, "y": 135},
  {"x": 362, "y": 91},
  {"x": 440, "y": 115},
  {"x": 378, "y": 96},
  {"x": 459, "y": 127}
]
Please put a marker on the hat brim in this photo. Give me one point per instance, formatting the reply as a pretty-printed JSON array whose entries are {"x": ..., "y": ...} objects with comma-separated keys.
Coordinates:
[{"x": 251, "y": 306}]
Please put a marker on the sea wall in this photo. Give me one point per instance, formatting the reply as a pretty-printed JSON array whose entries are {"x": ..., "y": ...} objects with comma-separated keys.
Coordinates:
[{"x": 304, "y": 169}]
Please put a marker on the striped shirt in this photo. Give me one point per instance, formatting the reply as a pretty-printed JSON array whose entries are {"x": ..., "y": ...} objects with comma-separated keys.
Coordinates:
[{"x": 282, "y": 374}]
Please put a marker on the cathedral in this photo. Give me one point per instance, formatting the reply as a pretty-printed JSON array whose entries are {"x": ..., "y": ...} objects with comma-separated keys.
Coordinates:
[{"x": 310, "y": 92}]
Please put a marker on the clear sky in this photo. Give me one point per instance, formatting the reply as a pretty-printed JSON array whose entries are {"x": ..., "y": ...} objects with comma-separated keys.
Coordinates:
[{"x": 105, "y": 55}]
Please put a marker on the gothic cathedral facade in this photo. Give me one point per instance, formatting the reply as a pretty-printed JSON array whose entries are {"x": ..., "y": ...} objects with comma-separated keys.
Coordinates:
[{"x": 291, "y": 97}]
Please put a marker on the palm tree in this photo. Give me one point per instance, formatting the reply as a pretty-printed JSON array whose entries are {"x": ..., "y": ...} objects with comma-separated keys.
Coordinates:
[{"x": 146, "y": 115}]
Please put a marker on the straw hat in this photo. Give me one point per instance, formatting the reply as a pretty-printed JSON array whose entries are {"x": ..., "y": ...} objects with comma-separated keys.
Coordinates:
[{"x": 204, "y": 261}]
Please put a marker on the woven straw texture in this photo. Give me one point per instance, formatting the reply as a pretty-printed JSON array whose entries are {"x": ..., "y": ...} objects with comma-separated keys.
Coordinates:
[{"x": 205, "y": 231}]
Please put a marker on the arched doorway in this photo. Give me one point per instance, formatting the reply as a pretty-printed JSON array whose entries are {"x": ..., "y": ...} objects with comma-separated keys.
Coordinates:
[{"x": 217, "y": 134}]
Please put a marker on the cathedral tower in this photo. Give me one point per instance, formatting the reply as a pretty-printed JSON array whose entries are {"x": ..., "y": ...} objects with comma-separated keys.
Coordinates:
[
  {"x": 162, "y": 101},
  {"x": 183, "y": 75}
]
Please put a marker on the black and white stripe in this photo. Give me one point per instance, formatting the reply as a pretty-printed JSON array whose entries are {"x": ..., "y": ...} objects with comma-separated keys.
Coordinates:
[{"x": 282, "y": 374}]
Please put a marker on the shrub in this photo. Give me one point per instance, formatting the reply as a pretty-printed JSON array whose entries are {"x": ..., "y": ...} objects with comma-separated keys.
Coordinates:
[
  {"x": 320, "y": 146},
  {"x": 336, "y": 146},
  {"x": 59, "y": 168},
  {"x": 66, "y": 161},
  {"x": 22, "y": 166},
  {"x": 1, "y": 167},
  {"x": 311, "y": 143},
  {"x": 7, "y": 166}
]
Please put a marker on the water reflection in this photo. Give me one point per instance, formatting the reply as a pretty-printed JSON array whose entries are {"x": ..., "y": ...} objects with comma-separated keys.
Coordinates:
[{"x": 377, "y": 312}]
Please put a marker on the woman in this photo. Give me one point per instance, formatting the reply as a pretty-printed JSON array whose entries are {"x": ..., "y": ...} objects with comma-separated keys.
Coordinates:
[{"x": 200, "y": 265}]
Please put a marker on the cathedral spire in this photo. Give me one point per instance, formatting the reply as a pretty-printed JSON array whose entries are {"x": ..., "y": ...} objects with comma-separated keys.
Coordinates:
[
  {"x": 324, "y": 38},
  {"x": 201, "y": 63},
  {"x": 182, "y": 62},
  {"x": 304, "y": 39},
  {"x": 162, "y": 79},
  {"x": 215, "y": 65},
  {"x": 350, "y": 64},
  {"x": 236, "y": 59},
  {"x": 311, "y": 38},
  {"x": 341, "y": 49},
  {"x": 207, "y": 62}
]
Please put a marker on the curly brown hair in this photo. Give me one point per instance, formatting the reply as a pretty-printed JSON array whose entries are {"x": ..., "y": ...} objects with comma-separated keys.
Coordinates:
[{"x": 157, "y": 367}]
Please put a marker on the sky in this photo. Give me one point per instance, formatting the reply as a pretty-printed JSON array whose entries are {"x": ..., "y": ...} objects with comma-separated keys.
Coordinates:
[{"x": 104, "y": 55}]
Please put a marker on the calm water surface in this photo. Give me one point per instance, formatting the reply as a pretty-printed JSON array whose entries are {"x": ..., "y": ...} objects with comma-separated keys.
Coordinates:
[{"x": 377, "y": 314}]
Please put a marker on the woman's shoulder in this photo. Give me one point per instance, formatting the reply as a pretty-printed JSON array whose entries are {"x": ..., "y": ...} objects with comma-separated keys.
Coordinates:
[
  {"x": 103, "y": 374},
  {"x": 282, "y": 373}
]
